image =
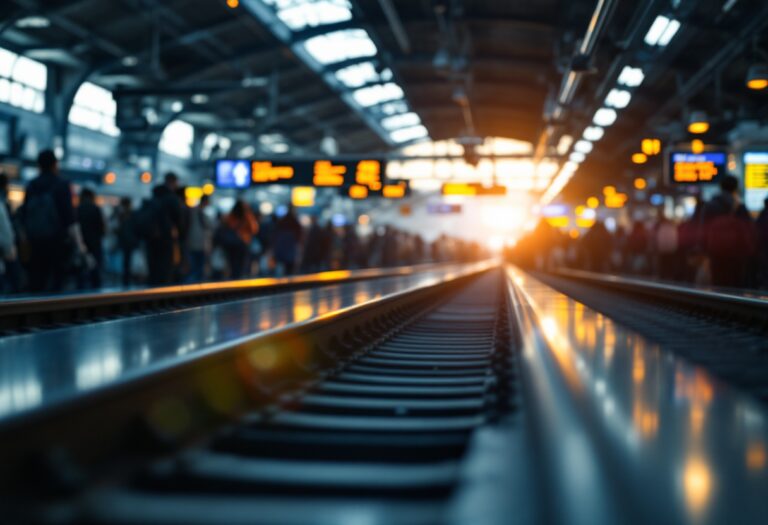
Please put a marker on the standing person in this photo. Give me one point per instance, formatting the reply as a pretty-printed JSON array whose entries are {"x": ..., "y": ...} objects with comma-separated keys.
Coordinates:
[
  {"x": 199, "y": 240},
  {"x": 155, "y": 225},
  {"x": 92, "y": 227},
  {"x": 288, "y": 237},
  {"x": 50, "y": 226},
  {"x": 10, "y": 281},
  {"x": 762, "y": 243},
  {"x": 314, "y": 248},
  {"x": 667, "y": 249},
  {"x": 730, "y": 235},
  {"x": 597, "y": 244},
  {"x": 181, "y": 248},
  {"x": 637, "y": 248},
  {"x": 351, "y": 250},
  {"x": 243, "y": 223},
  {"x": 127, "y": 237}
]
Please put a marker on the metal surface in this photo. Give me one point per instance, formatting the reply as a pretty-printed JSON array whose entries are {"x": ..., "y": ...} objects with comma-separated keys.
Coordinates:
[
  {"x": 628, "y": 433},
  {"x": 38, "y": 370}
]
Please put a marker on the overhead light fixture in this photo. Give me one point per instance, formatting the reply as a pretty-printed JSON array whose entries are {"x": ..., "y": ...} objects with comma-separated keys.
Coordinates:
[
  {"x": 618, "y": 98},
  {"x": 200, "y": 98},
  {"x": 564, "y": 144},
  {"x": 604, "y": 117},
  {"x": 640, "y": 184},
  {"x": 233, "y": 4},
  {"x": 698, "y": 123},
  {"x": 583, "y": 146},
  {"x": 593, "y": 202},
  {"x": 593, "y": 133},
  {"x": 177, "y": 106},
  {"x": 662, "y": 31},
  {"x": 577, "y": 157},
  {"x": 33, "y": 22},
  {"x": 631, "y": 76},
  {"x": 757, "y": 77},
  {"x": 639, "y": 158},
  {"x": 697, "y": 146},
  {"x": 130, "y": 61}
]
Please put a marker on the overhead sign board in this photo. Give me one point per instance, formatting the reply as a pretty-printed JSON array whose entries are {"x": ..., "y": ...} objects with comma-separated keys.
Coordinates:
[
  {"x": 443, "y": 208},
  {"x": 398, "y": 190},
  {"x": 755, "y": 179},
  {"x": 320, "y": 173},
  {"x": 697, "y": 168}
]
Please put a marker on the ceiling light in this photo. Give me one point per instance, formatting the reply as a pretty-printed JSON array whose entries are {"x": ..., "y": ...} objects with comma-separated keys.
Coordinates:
[
  {"x": 698, "y": 123},
  {"x": 604, "y": 117},
  {"x": 651, "y": 146},
  {"x": 697, "y": 146},
  {"x": 639, "y": 158},
  {"x": 640, "y": 184},
  {"x": 33, "y": 22},
  {"x": 577, "y": 157},
  {"x": 200, "y": 98},
  {"x": 401, "y": 121},
  {"x": 564, "y": 144},
  {"x": 662, "y": 31},
  {"x": 631, "y": 76},
  {"x": 130, "y": 61},
  {"x": 593, "y": 133},
  {"x": 618, "y": 98},
  {"x": 757, "y": 77},
  {"x": 583, "y": 146},
  {"x": 340, "y": 45},
  {"x": 370, "y": 96},
  {"x": 406, "y": 134},
  {"x": 177, "y": 106}
]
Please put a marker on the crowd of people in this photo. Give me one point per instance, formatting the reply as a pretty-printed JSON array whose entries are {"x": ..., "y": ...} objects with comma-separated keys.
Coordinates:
[
  {"x": 720, "y": 244},
  {"x": 54, "y": 242}
]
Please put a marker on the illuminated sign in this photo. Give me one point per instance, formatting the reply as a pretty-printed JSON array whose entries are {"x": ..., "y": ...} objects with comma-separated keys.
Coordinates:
[
  {"x": 303, "y": 196},
  {"x": 358, "y": 192},
  {"x": 320, "y": 173},
  {"x": 697, "y": 168},
  {"x": 377, "y": 190},
  {"x": 473, "y": 189},
  {"x": 755, "y": 179},
  {"x": 233, "y": 174},
  {"x": 395, "y": 191}
]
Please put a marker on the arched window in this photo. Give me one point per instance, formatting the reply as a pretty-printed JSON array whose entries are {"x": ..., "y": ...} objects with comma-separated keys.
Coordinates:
[
  {"x": 177, "y": 139},
  {"x": 94, "y": 108},
  {"x": 22, "y": 81}
]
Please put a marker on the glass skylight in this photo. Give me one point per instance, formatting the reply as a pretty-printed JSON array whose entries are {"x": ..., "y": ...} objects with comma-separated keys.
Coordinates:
[
  {"x": 300, "y": 14},
  {"x": 373, "y": 95},
  {"x": 401, "y": 121},
  {"x": 406, "y": 134},
  {"x": 22, "y": 81},
  {"x": 357, "y": 75},
  {"x": 340, "y": 45},
  {"x": 94, "y": 108}
]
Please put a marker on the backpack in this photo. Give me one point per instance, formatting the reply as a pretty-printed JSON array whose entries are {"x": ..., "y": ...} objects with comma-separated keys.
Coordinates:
[
  {"x": 730, "y": 237},
  {"x": 41, "y": 218}
]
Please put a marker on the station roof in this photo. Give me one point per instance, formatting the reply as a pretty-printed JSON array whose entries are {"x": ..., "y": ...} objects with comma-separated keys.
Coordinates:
[{"x": 461, "y": 68}]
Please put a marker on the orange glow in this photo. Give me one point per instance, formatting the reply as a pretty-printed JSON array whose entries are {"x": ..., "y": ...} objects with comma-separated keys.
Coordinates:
[
  {"x": 756, "y": 456},
  {"x": 697, "y": 146},
  {"x": 192, "y": 195},
  {"x": 757, "y": 83},
  {"x": 585, "y": 223},
  {"x": 335, "y": 275},
  {"x": 609, "y": 190},
  {"x": 369, "y": 174},
  {"x": 695, "y": 171},
  {"x": 394, "y": 191},
  {"x": 146, "y": 177},
  {"x": 326, "y": 174},
  {"x": 617, "y": 200},
  {"x": 233, "y": 4},
  {"x": 698, "y": 128},
  {"x": 110, "y": 178},
  {"x": 358, "y": 192},
  {"x": 639, "y": 158},
  {"x": 208, "y": 188},
  {"x": 266, "y": 172},
  {"x": 640, "y": 184},
  {"x": 697, "y": 484},
  {"x": 574, "y": 234},
  {"x": 363, "y": 220},
  {"x": 455, "y": 188},
  {"x": 593, "y": 202},
  {"x": 559, "y": 222},
  {"x": 651, "y": 146},
  {"x": 303, "y": 196}
]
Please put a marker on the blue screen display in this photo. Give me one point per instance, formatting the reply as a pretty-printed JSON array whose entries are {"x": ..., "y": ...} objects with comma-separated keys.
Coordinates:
[{"x": 233, "y": 174}]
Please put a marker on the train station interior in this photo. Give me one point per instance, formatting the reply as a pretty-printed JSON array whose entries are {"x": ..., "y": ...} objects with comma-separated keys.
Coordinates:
[{"x": 383, "y": 262}]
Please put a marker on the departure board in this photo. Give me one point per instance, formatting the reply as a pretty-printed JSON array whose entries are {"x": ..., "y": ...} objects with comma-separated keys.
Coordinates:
[
  {"x": 394, "y": 190},
  {"x": 755, "y": 179},
  {"x": 697, "y": 168},
  {"x": 320, "y": 173}
]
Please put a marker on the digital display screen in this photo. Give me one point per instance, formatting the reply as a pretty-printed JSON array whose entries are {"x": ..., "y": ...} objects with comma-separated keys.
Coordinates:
[
  {"x": 233, "y": 174},
  {"x": 321, "y": 173},
  {"x": 398, "y": 190},
  {"x": 755, "y": 179},
  {"x": 697, "y": 168}
]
